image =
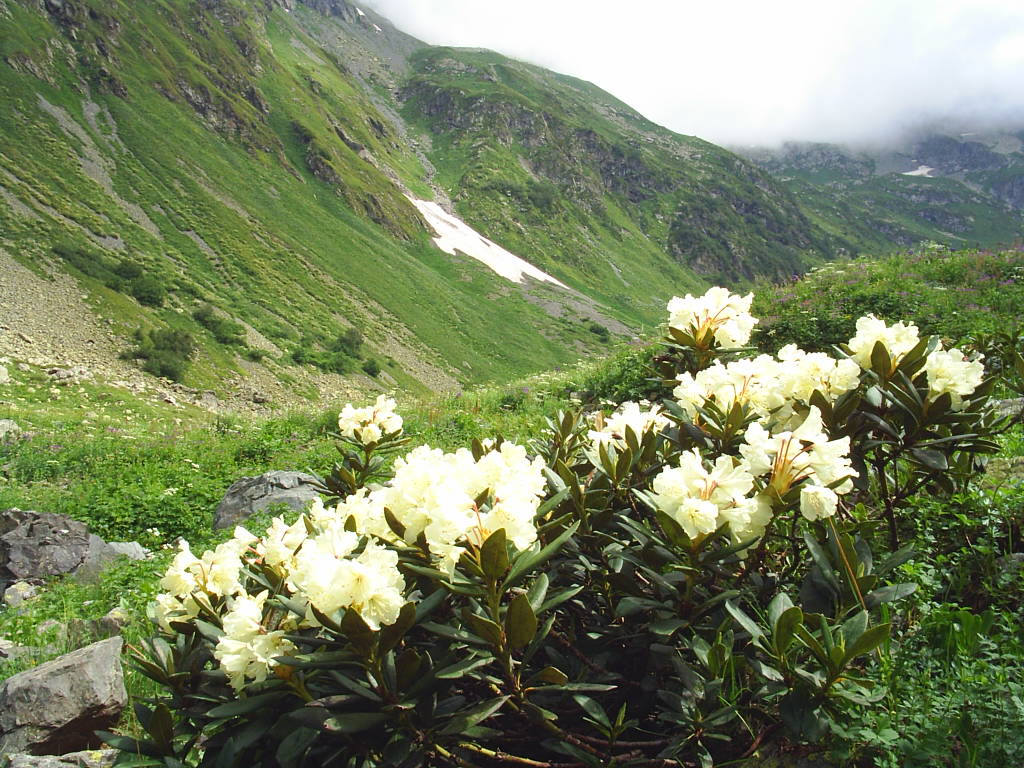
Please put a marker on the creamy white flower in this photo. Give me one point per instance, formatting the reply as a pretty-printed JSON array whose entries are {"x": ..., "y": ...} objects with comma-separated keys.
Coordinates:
[
  {"x": 221, "y": 567},
  {"x": 817, "y": 502},
  {"x": 167, "y": 608},
  {"x": 754, "y": 382},
  {"x": 640, "y": 417},
  {"x": 898, "y": 339},
  {"x": 718, "y": 315},
  {"x": 181, "y": 577},
  {"x": 367, "y": 512},
  {"x": 369, "y": 424},
  {"x": 244, "y": 619},
  {"x": 280, "y": 542},
  {"x": 701, "y": 499},
  {"x": 950, "y": 372},
  {"x": 434, "y": 494},
  {"x": 801, "y": 373},
  {"x": 331, "y": 579},
  {"x": 697, "y": 517},
  {"x": 803, "y": 454},
  {"x": 252, "y": 659}
]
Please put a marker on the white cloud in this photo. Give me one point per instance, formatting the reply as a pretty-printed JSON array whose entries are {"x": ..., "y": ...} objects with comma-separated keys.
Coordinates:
[{"x": 738, "y": 71}]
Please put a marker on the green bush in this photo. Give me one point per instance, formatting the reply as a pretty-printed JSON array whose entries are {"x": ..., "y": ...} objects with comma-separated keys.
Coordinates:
[
  {"x": 694, "y": 584},
  {"x": 225, "y": 331},
  {"x": 148, "y": 290},
  {"x": 371, "y": 367},
  {"x": 349, "y": 342},
  {"x": 165, "y": 352}
]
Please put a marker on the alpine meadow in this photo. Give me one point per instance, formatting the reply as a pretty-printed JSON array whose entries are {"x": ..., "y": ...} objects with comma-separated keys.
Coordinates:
[{"x": 373, "y": 403}]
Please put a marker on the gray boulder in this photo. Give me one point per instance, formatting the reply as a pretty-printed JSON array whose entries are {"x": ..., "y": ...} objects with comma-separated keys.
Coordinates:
[
  {"x": 254, "y": 494},
  {"x": 92, "y": 758},
  {"x": 9, "y": 428},
  {"x": 98, "y": 555},
  {"x": 55, "y": 708},
  {"x": 19, "y": 592},
  {"x": 130, "y": 549},
  {"x": 34, "y": 545}
]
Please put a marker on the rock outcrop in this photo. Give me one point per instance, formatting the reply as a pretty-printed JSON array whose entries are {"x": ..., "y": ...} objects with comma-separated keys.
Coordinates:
[
  {"x": 56, "y": 708},
  {"x": 255, "y": 494},
  {"x": 37, "y": 545}
]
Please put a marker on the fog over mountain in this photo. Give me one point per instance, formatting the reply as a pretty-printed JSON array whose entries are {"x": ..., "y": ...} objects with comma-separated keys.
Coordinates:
[{"x": 739, "y": 72}]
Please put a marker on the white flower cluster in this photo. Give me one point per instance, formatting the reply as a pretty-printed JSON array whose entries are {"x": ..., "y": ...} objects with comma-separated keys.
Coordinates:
[
  {"x": 641, "y": 417},
  {"x": 702, "y": 500},
  {"x": 717, "y": 315},
  {"x": 322, "y": 565},
  {"x": 246, "y": 650},
  {"x": 770, "y": 387},
  {"x": 950, "y": 372},
  {"x": 435, "y": 494},
  {"x": 898, "y": 339},
  {"x": 368, "y": 425},
  {"x": 804, "y": 456},
  {"x": 742, "y": 490}
]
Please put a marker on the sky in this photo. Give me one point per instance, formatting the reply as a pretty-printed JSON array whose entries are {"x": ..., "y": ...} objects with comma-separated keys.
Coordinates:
[{"x": 740, "y": 72}]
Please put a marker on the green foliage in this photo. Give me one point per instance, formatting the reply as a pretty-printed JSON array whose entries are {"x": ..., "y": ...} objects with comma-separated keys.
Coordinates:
[
  {"x": 224, "y": 330},
  {"x": 949, "y": 676},
  {"x": 371, "y": 367},
  {"x": 349, "y": 342},
  {"x": 627, "y": 374},
  {"x": 148, "y": 290},
  {"x": 165, "y": 351},
  {"x": 952, "y": 294},
  {"x": 703, "y": 641}
]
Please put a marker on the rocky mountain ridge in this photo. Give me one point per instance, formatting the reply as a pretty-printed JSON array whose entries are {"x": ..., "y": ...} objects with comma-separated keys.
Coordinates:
[
  {"x": 966, "y": 184},
  {"x": 260, "y": 158}
]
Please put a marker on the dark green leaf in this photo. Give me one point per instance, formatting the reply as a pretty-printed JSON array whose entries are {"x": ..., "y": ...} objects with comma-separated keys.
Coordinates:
[
  {"x": 494, "y": 555},
  {"x": 470, "y": 717},
  {"x": 460, "y": 668},
  {"x": 867, "y": 642},
  {"x": 246, "y": 706},
  {"x": 392, "y": 634},
  {"x": 520, "y": 622},
  {"x": 889, "y": 593}
]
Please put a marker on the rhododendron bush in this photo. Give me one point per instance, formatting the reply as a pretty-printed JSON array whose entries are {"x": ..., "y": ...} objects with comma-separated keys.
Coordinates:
[{"x": 658, "y": 584}]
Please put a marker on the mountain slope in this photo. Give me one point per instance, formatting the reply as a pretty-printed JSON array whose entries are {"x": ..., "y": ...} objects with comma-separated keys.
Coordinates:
[
  {"x": 211, "y": 147},
  {"x": 937, "y": 184},
  {"x": 251, "y": 172}
]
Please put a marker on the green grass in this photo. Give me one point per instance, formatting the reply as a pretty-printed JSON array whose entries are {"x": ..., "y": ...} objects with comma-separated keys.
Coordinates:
[
  {"x": 949, "y": 293},
  {"x": 241, "y": 221},
  {"x": 951, "y": 672}
]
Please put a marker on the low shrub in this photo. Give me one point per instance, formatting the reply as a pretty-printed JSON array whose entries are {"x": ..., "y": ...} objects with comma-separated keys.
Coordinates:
[
  {"x": 164, "y": 352},
  {"x": 656, "y": 586},
  {"x": 224, "y": 330}
]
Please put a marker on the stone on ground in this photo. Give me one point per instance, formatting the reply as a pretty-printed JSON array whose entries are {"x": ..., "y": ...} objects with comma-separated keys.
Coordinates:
[
  {"x": 255, "y": 494},
  {"x": 56, "y": 708}
]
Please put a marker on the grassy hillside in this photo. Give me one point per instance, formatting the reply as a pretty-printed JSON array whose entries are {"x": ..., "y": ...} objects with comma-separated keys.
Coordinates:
[
  {"x": 557, "y": 169},
  {"x": 214, "y": 151},
  {"x": 950, "y": 677},
  {"x": 952, "y": 189}
]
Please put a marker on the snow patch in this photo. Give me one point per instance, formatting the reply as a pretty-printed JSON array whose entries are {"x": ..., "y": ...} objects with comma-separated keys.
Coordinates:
[
  {"x": 453, "y": 234},
  {"x": 921, "y": 170},
  {"x": 377, "y": 28},
  {"x": 360, "y": 11}
]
